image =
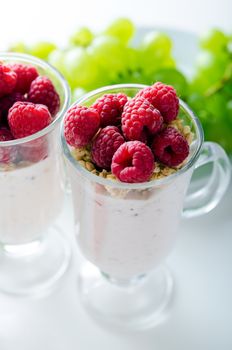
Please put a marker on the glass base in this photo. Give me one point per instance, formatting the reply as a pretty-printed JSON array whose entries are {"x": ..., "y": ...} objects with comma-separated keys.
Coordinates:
[
  {"x": 32, "y": 269},
  {"x": 136, "y": 304}
]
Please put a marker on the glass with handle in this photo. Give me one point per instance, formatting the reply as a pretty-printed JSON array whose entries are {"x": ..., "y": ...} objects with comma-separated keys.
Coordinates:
[{"x": 127, "y": 230}]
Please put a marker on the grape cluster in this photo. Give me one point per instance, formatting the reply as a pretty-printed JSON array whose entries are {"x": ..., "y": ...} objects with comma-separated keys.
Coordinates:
[
  {"x": 111, "y": 57},
  {"x": 210, "y": 91},
  {"x": 91, "y": 60}
]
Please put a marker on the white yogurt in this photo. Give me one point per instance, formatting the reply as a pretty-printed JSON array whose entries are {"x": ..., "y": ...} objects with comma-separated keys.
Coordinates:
[
  {"x": 31, "y": 198},
  {"x": 126, "y": 237}
]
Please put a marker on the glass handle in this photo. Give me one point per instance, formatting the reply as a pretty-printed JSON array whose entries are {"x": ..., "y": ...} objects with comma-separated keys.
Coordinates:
[{"x": 207, "y": 188}]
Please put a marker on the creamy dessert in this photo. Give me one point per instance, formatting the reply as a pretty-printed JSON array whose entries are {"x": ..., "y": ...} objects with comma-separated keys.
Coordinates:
[
  {"x": 127, "y": 233},
  {"x": 33, "y": 197},
  {"x": 127, "y": 230},
  {"x": 31, "y": 179}
]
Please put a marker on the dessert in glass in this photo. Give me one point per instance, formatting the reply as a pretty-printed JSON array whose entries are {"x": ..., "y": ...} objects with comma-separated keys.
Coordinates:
[
  {"x": 130, "y": 168},
  {"x": 34, "y": 97}
]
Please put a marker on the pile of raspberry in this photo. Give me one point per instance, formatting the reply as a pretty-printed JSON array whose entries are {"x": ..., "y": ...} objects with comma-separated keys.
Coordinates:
[
  {"x": 129, "y": 137},
  {"x": 28, "y": 104}
]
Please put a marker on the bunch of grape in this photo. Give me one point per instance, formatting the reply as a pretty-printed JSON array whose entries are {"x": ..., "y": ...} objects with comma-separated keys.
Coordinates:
[
  {"x": 93, "y": 60},
  {"x": 210, "y": 91},
  {"x": 114, "y": 56}
]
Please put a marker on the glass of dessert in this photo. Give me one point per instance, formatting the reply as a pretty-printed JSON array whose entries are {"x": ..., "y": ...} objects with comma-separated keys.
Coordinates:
[
  {"x": 33, "y": 99},
  {"x": 131, "y": 151}
]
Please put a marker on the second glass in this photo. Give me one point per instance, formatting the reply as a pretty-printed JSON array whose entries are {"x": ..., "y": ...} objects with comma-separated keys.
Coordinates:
[{"x": 33, "y": 253}]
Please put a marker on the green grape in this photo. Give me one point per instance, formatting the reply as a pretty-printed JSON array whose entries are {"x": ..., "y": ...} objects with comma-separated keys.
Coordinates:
[
  {"x": 216, "y": 106},
  {"x": 42, "y": 49},
  {"x": 130, "y": 71},
  {"x": 212, "y": 88},
  {"x": 155, "y": 54},
  {"x": 214, "y": 41},
  {"x": 56, "y": 59},
  {"x": 219, "y": 128},
  {"x": 229, "y": 115},
  {"x": 229, "y": 108},
  {"x": 77, "y": 93},
  {"x": 207, "y": 61},
  {"x": 107, "y": 49},
  {"x": 210, "y": 70},
  {"x": 229, "y": 46},
  {"x": 108, "y": 54},
  {"x": 82, "y": 37},
  {"x": 227, "y": 89},
  {"x": 151, "y": 64},
  {"x": 196, "y": 102},
  {"x": 156, "y": 44},
  {"x": 122, "y": 29},
  {"x": 19, "y": 47},
  {"x": 213, "y": 111},
  {"x": 221, "y": 136},
  {"x": 81, "y": 70},
  {"x": 172, "y": 76},
  {"x": 131, "y": 58}
]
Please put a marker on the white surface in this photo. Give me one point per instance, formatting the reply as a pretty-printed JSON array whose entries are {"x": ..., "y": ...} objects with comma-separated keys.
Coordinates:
[
  {"x": 31, "y": 20},
  {"x": 199, "y": 318}
]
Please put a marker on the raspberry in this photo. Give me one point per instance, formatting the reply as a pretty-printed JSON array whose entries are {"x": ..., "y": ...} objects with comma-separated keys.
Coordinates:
[
  {"x": 140, "y": 119},
  {"x": 80, "y": 125},
  {"x": 35, "y": 150},
  {"x": 104, "y": 146},
  {"x": 7, "y": 102},
  {"x": 110, "y": 107},
  {"x": 26, "y": 118},
  {"x": 42, "y": 91},
  {"x": 8, "y": 80},
  {"x": 6, "y": 152},
  {"x": 170, "y": 147},
  {"x": 164, "y": 98},
  {"x": 133, "y": 162},
  {"x": 25, "y": 75}
]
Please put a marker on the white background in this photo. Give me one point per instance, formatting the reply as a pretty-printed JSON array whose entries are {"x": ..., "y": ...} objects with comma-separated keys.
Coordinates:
[
  {"x": 43, "y": 19},
  {"x": 200, "y": 317}
]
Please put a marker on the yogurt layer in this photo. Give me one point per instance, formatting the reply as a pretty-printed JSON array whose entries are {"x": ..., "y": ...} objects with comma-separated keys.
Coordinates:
[
  {"x": 127, "y": 233},
  {"x": 31, "y": 198}
]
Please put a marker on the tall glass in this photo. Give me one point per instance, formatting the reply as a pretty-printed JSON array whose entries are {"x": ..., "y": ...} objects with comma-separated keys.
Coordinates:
[
  {"x": 33, "y": 252},
  {"x": 127, "y": 230}
]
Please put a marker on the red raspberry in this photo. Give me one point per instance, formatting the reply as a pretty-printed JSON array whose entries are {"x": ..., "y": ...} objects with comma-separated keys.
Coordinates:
[
  {"x": 104, "y": 146},
  {"x": 26, "y": 118},
  {"x": 25, "y": 75},
  {"x": 8, "y": 80},
  {"x": 170, "y": 147},
  {"x": 80, "y": 125},
  {"x": 164, "y": 98},
  {"x": 42, "y": 91},
  {"x": 140, "y": 119},
  {"x": 133, "y": 162},
  {"x": 110, "y": 107},
  {"x": 6, "y": 152},
  {"x": 7, "y": 102},
  {"x": 35, "y": 150}
]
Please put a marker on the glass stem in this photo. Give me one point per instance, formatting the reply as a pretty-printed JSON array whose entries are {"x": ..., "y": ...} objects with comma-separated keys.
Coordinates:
[
  {"x": 132, "y": 282},
  {"x": 18, "y": 250}
]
